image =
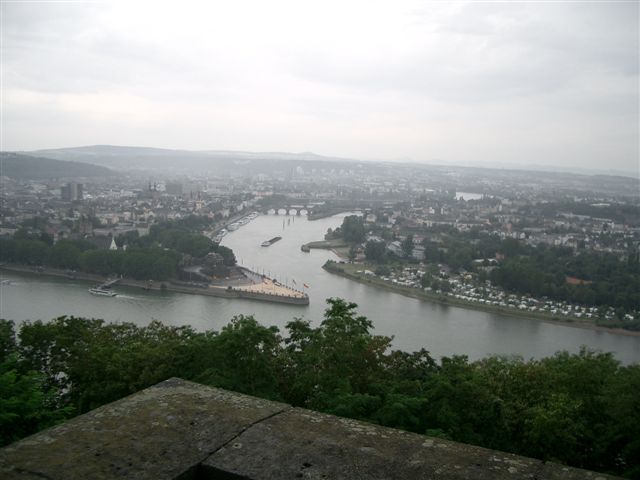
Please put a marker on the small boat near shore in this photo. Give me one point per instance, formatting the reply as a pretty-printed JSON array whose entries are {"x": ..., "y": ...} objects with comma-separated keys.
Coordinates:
[
  {"x": 268, "y": 243},
  {"x": 102, "y": 292}
]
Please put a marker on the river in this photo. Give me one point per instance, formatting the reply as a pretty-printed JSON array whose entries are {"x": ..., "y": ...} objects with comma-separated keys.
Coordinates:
[{"x": 414, "y": 324}]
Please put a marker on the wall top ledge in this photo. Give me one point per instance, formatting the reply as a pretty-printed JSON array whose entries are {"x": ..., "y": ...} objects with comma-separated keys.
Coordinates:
[{"x": 186, "y": 431}]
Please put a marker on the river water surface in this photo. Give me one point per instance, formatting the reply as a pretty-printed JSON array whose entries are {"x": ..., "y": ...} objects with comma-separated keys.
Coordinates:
[{"x": 414, "y": 324}]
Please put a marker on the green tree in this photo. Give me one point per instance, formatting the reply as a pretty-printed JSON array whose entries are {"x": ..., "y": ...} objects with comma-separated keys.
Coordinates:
[
  {"x": 64, "y": 254},
  {"x": 8, "y": 250},
  {"x": 195, "y": 245},
  {"x": 246, "y": 358},
  {"x": 26, "y": 406},
  {"x": 375, "y": 251},
  {"x": 229, "y": 259},
  {"x": 353, "y": 252},
  {"x": 31, "y": 252},
  {"x": 352, "y": 229},
  {"x": 325, "y": 366},
  {"x": 407, "y": 246},
  {"x": 383, "y": 271}
]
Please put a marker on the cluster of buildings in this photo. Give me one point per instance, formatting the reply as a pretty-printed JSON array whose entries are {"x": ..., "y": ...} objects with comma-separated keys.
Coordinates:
[
  {"x": 530, "y": 221},
  {"x": 109, "y": 208},
  {"x": 578, "y": 212}
]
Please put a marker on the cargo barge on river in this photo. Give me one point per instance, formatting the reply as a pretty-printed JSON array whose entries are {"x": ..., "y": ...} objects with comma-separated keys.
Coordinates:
[{"x": 268, "y": 243}]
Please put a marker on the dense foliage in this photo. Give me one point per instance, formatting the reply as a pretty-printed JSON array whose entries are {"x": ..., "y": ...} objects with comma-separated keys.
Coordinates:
[
  {"x": 140, "y": 263},
  {"x": 375, "y": 251},
  {"x": 580, "y": 409},
  {"x": 351, "y": 230},
  {"x": 151, "y": 257},
  {"x": 604, "y": 278},
  {"x": 26, "y": 404},
  {"x": 183, "y": 237}
]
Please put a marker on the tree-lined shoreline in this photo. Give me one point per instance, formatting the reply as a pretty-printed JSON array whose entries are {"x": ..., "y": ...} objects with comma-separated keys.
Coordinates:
[
  {"x": 480, "y": 271},
  {"x": 337, "y": 268}
]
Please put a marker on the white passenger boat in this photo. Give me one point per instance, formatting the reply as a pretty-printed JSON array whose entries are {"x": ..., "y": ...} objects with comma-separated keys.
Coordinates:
[{"x": 102, "y": 292}]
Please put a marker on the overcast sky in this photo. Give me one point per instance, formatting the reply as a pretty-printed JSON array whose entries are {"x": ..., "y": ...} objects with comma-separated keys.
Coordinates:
[{"x": 545, "y": 82}]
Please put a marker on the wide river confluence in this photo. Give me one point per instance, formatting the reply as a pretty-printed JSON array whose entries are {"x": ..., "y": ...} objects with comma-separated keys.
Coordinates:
[{"x": 414, "y": 324}]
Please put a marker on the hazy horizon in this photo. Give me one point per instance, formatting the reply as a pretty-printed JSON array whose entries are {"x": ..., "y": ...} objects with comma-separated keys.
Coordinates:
[
  {"x": 462, "y": 83},
  {"x": 401, "y": 161}
]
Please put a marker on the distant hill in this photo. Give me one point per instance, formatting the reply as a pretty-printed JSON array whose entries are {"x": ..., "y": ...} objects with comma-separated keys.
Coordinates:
[
  {"x": 243, "y": 162},
  {"x": 20, "y": 166},
  {"x": 218, "y": 161},
  {"x": 286, "y": 165}
]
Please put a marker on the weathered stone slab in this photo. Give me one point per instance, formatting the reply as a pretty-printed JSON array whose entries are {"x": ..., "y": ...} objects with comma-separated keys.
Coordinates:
[
  {"x": 157, "y": 433},
  {"x": 303, "y": 444},
  {"x": 185, "y": 431}
]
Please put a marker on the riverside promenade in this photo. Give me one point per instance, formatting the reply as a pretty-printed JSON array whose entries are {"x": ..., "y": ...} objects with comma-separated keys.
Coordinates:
[
  {"x": 263, "y": 286},
  {"x": 250, "y": 285}
]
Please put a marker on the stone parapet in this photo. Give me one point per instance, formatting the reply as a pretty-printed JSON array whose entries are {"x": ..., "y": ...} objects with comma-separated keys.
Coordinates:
[{"x": 183, "y": 430}]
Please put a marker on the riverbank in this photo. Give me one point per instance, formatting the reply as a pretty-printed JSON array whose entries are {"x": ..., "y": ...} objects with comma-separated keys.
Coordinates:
[
  {"x": 337, "y": 246},
  {"x": 338, "y": 269},
  {"x": 269, "y": 294}
]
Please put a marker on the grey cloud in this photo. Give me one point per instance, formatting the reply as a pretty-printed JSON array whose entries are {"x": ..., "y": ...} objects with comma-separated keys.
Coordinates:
[
  {"x": 565, "y": 71},
  {"x": 520, "y": 51},
  {"x": 68, "y": 49}
]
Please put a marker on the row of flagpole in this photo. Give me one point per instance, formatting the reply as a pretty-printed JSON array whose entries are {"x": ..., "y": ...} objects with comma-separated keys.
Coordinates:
[{"x": 268, "y": 275}]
